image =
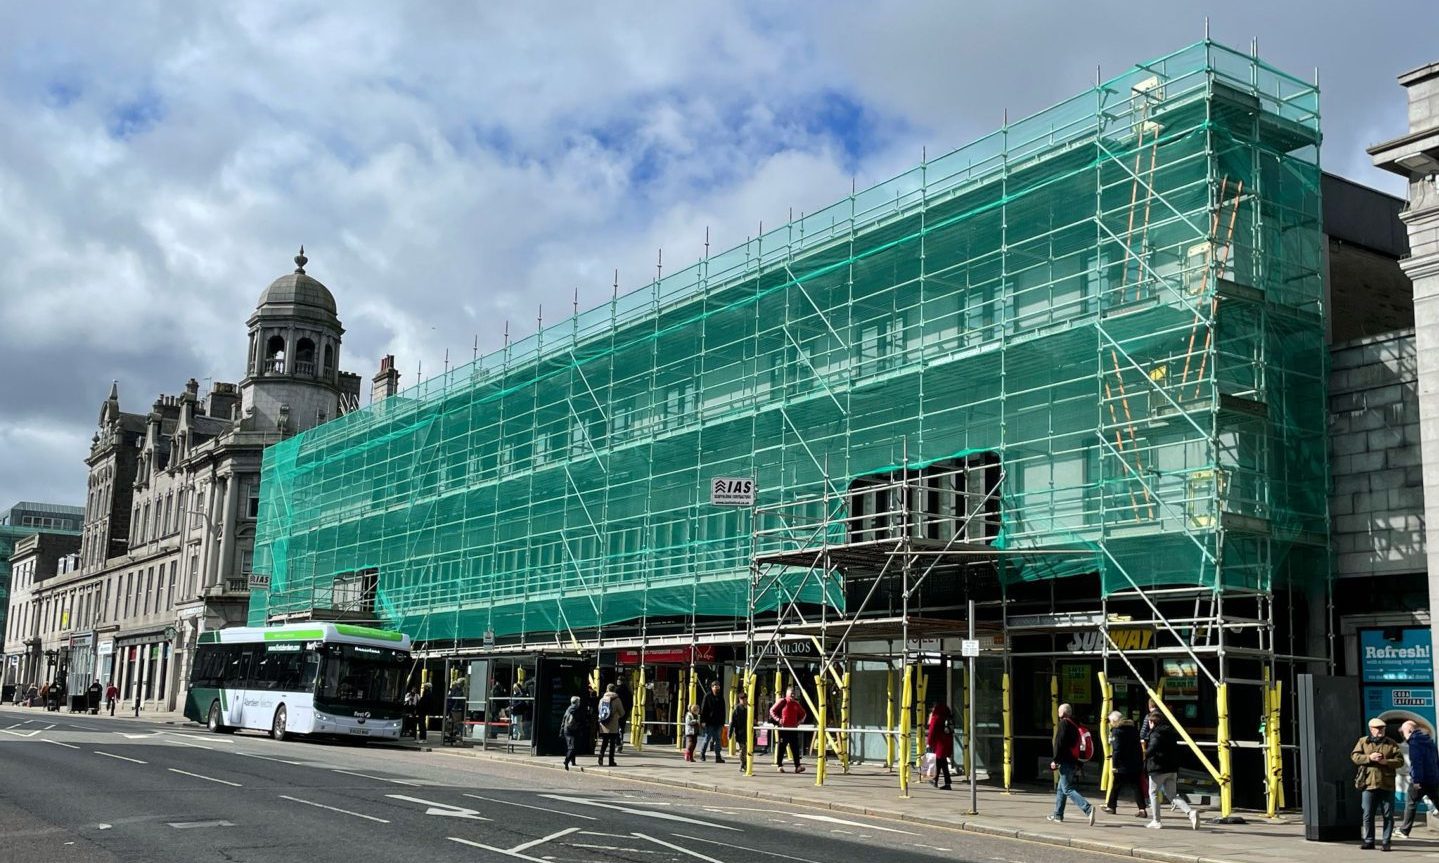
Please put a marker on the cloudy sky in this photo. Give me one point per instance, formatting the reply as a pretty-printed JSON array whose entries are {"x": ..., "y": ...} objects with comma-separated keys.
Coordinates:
[{"x": 450, "y": 166}]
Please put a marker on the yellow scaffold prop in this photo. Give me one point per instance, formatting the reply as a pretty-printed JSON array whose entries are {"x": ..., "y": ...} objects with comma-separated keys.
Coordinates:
[
  {"x": 906, "y": 708},
  {"x": 1106, "y": 689},
  {"x": 889, "y": 719},
  {"x": 749, "y": 724},
  {"x": 821, "y": 719},
  {"x": 1007, "y": 708}
]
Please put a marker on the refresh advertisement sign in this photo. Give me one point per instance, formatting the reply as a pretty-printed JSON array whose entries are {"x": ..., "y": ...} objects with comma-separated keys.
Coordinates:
[{"x": 1396, "y": 667}]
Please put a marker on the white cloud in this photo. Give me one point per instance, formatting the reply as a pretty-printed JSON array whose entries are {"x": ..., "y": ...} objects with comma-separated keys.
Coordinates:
[{"x": 452, "y": 166}]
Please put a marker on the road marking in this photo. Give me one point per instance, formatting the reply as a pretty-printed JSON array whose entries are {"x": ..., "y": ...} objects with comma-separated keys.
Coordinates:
[
  {"x": 24, "y": 733},
  {"x": 121, "y": 757},
  {"x": 790, "y": 857},
  {"x": 269, "y": 758},
  {"x": 376, "y": 778},
  {"x": 333, "y": 809},
  {"x": 679, "y": 848},
  {"x": 665, "y": 816},
  {"x": 495, "y": 850},
  {"x": 186, "y": 825},
  {"x": 828, "y": 819},
  {"x": 58, "y": 743},
  {"x": 540, "y": 808},
  {"x": 209, "y": 778},
  {"x": 192, "y": 745},
  {"x": 129, "y": 736},
  {"x": 442, "y": 808},
  {"x": 524, "y": 846}
]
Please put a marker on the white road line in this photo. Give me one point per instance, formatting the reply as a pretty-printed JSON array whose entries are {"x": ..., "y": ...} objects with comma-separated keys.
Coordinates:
[
  {"x": 269, "y": 758},
  {"x": 192, "y": 745},
  {"x": 523, "y": 846},
  {"x": 790, "y": 857},
  {"x": 58, "y": 743},
  {"x": 540, "y": 808},
  {"x": 376, "y": 778},
  {"x": 665, "y": 816},
  {"x": 121, "y": 757},
  {"x": 333, "y": 809},
  {"x": 209, "y": 778},
  {"x": 680, "y": 848},
  {"x": 828, "y": 819},
  {"x": 495, "y": 850}
]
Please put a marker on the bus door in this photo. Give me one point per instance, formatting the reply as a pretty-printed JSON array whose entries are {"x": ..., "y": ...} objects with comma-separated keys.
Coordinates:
[{"x": 237, "y": 679}]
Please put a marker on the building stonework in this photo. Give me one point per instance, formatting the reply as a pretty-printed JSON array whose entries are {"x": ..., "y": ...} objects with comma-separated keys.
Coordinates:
[
  {"x": 166, "y": 547},
  {"x": 1415, "y": 156}
]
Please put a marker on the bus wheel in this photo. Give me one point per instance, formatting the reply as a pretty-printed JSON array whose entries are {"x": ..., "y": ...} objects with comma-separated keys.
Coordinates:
[
  {"x": 214, "y": 722},
  {"x": 277, "y": 728}
]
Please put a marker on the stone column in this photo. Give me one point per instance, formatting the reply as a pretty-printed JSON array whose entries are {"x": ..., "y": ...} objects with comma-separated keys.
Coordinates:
[{"x": 226, "y": 565}]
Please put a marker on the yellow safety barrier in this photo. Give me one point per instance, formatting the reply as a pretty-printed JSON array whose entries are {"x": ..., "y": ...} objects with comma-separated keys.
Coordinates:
[
  {"x": 1106, "y": 690},
  {"x": 965, "y": 684},
  {"x": 1226, "y": 789},
  {"x": 821, "y": 719},
  {"x": 906, "y": 708},
  {"x": 1007, "y": 710},
  {"x": 750, "y": 680},
  {"x": 1054, "y": 716},
  {"x": 889, "y": 719}
]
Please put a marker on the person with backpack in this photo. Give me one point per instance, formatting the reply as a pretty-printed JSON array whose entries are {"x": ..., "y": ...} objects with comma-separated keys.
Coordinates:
[
  {"x": 1073, "y": 745},
  {"x": 941, "y": 742},
  {"x": 611, "y": 713},
  {"x": 575, "y": 726},
  {"x": 1161, "y": 761},
  {"x": 1126, "y": 756},
  {"x": 738, "y": 725},
  {"x": 787, "y": 714},
  {"x": 712, "y": 719}
]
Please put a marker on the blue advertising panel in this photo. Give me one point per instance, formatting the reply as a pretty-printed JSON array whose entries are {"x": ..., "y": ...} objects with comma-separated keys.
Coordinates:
[{"x": 1407, "y": 660}]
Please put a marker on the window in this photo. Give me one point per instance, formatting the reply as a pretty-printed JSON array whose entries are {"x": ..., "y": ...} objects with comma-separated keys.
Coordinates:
[
  {"x": 252, "y": 498},
  {"x": 247, "y": 561},
  {"x": 149, "y": 587},
  {"x": 170, "y": 594},
  {"x": 194, "y": 574},
  {"x": 169, "y": 515}
]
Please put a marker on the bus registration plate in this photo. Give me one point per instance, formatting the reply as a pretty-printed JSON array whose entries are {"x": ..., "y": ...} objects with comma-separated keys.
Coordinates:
[{"x": 362, "y": 731}]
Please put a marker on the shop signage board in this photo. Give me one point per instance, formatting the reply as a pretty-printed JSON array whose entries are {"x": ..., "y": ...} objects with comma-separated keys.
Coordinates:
[
  {"x": 1076, "y": 684},
  {"x": 1396, "y": 668},
  {"x": 1093, "y": 640},
  {"x": 259, "y": 582},
  {"x": 704, "y": 653}
]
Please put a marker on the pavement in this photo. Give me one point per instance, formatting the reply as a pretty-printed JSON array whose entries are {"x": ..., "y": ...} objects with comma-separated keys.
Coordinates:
[{"x": 865, "y": 801}]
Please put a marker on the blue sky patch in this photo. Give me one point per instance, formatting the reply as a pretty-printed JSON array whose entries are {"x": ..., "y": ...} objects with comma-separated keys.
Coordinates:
[{"x": 135, "y": 117}]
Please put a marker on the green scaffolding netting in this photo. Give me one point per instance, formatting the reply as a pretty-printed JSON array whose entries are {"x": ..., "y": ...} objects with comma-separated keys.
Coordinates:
[{"x": 1121, "y": 298}]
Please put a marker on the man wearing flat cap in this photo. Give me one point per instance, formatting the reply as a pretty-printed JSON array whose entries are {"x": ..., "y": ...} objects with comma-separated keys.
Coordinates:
[{"x": 1378, "y": 759}]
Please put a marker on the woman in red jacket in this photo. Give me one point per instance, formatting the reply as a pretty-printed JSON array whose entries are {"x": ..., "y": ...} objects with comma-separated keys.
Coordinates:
[{"x": 941, "y": 742}]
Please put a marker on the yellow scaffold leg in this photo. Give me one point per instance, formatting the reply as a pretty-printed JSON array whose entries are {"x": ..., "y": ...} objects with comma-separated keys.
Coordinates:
[
  {"x": 821, "y": 719},
  {"x": 1226, "y": 774},
  {"x": 906, "y": 708},
  {"x": 844, "y": 725},
  {"x": 889, "y": 719},
  {"x": 1106, "y": 775},
  {"x": 1007, "y": 710},
  {"x": 749, "y": 726}
]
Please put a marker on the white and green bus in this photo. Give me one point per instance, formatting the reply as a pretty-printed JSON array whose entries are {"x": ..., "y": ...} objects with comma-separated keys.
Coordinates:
[{"x": 301, "y": 678}]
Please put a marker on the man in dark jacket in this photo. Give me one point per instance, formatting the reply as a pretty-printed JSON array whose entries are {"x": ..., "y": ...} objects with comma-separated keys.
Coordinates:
[
  {"x": 712, "y": 710},
  {"x": 1126, "y": 758},
  {"x": 1161, "y": 760},
  {"x": 739, "y": 725},
  {"x": 1378, "y": 759},
  {"x": 1066, "y": 761},
  {"x": 1423, "y": 772}
]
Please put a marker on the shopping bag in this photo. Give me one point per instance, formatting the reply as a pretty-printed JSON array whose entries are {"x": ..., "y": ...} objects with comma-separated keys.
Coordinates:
[{"x": 928, "y": 766}]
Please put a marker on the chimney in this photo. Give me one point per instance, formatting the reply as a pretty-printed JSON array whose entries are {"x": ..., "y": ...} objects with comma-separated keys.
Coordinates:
[{"x": 386, "y": 381}]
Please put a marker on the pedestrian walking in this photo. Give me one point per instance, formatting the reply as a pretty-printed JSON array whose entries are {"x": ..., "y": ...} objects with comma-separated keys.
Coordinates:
[
  {"x": 1423, "y": 772},
  {"x": 112, "y": 695},
  {"x": 428, "y": 707},
  {"x": 1146, "y": 726},
  {"x": 712, "y": 710},
  {"x": 575, "y": 726},
  {"x": 738, "y": 727},
  {"x": 1126, "y": 759},
  {"x": 611, "y": 715},
  {"x": 692, "y": 731},
  {"x": 941, "y": 742},
  {"x": 1161, "y": 760},
  {"x": 1073, "y": 745},
  {"x": 92, "y": 697},
  {"x": 1378, "y": 759},
  {"x": 787, "y": 714}
]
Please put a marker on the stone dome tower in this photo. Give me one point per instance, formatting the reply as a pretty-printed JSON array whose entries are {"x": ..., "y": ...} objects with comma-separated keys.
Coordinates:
[{"x": 292, "y": 371}]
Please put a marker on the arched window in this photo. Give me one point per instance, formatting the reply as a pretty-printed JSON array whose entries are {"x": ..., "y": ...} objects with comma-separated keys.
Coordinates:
[
  {"x": 305, "y": 358},
  {"x": 329, "y": 361},
  {"x": 274, "y": 355}
]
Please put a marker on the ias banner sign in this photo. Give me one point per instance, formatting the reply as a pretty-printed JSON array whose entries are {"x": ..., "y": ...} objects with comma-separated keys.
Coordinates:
[{"x": 732, "y": 491}]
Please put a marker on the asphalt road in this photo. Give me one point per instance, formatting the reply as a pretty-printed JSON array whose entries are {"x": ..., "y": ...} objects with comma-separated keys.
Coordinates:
[{"x": 82, "y": 788}]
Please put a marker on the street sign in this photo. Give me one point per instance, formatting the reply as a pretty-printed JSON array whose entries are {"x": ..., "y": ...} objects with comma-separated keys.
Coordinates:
[
  {"x": 969, "y": 647},
  {"x": 732, "y": 491},
  {"x": 259, "y": 582},
  {"x": 489, "y": 638}
]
